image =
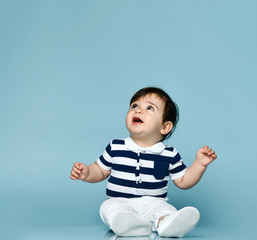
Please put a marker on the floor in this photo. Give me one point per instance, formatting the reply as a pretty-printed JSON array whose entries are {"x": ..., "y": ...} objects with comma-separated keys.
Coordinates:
[
  {"x": 103, "y": 233},
  {"x": 31, "y": 218}
]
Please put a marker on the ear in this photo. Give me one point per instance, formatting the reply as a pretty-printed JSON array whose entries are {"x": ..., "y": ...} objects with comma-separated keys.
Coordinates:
[{"x": 166, "y": 128}]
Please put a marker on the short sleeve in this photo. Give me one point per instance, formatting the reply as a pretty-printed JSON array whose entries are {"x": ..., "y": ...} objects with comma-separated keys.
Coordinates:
[
  {"x": 105, "y": 160},
  {"x": 177, "y": 169}
]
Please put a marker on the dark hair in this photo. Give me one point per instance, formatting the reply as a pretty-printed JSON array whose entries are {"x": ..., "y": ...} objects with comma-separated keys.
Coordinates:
[{"x": 171, "y": 111}]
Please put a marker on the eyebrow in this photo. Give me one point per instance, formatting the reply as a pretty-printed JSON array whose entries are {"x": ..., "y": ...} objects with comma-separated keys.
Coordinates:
[{"x": 153, "y": 104}]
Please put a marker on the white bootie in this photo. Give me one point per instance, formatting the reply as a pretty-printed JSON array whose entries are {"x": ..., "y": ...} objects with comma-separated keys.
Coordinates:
[
  {"x": 180, "y": 223},
  {"x": 128, "y": 225}
]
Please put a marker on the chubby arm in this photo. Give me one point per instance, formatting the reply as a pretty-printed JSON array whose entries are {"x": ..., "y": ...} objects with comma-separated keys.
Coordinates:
[
  {"x": 193, "y": 174},
  {"x": 92, "y": 173}
]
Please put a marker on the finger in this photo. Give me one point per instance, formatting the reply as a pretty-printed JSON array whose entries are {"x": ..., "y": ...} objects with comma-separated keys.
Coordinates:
[
  {"x": 210, "y": 153},
  {"x": 208, "y": 150},
  {"x": 82, "y": 166},
  {"x": 213, "y": 157},
  {"x": 205, "y": 149},
  {"x": 76, "y": 170},
  {"x": 77, "y": 165},
  {"x": 73, "y": 178},
  {"x": 74, "y": 174}
]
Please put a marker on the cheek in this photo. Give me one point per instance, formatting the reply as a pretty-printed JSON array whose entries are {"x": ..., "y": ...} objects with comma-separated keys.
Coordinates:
[
  {"x": 128, "y": 123},
  {"x": 157, "y": 124},
  {"x": 127, "y": 119}
]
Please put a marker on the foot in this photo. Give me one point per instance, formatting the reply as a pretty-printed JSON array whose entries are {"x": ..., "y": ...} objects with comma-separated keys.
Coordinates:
[
  {"x": 128, "y": 225},
  {"x": 180, "y": 223}
]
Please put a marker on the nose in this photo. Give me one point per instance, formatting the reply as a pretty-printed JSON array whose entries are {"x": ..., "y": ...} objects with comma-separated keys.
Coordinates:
[{"x": 138, "y": 110}]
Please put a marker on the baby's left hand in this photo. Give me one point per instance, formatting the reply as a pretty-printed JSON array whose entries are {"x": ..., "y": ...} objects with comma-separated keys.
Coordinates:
[{"x": 205, "y": 156}]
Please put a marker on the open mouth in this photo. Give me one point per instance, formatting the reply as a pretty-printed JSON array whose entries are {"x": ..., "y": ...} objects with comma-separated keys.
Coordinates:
[{"x": 137, "y": 120}]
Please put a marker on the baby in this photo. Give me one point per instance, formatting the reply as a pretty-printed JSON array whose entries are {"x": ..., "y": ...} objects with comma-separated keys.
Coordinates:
[{"x": 139, "y": 168}]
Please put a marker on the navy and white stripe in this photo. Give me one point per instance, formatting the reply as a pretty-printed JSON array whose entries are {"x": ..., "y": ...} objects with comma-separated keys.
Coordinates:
[{"x": 137, "y": 172}]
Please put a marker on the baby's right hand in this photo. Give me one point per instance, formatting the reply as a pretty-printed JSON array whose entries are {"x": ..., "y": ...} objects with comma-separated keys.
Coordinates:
[{"x": 79, "y": 171}]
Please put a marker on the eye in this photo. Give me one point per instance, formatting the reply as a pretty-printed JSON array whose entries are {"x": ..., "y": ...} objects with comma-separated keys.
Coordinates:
[
  {"x": 133, "y": 106},
  {"x": 150, "y": 108}
]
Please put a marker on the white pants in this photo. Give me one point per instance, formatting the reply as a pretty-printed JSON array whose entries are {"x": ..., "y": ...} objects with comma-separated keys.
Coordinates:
[{"x": 149, "y": 208}]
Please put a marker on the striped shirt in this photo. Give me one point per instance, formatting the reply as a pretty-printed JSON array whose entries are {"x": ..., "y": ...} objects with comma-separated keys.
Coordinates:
[{"x": 137, "y": 171}]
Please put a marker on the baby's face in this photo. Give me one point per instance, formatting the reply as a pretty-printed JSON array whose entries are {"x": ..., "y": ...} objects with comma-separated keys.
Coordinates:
[{"x": 144, "y": 120}]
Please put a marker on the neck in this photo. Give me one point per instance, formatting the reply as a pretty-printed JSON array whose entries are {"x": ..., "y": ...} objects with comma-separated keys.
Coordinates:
[{"x": 144, "y": 143}]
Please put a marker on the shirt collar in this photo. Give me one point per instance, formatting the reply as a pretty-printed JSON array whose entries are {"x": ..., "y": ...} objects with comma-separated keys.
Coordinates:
[{"x": 131, "y": 145}]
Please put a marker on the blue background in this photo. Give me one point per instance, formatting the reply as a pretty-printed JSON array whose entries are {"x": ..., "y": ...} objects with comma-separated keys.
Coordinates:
[{"x": 68, "y": 71}]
